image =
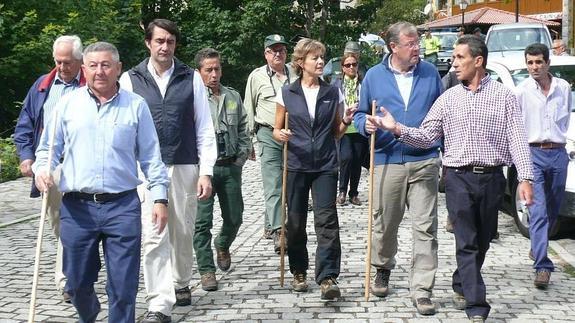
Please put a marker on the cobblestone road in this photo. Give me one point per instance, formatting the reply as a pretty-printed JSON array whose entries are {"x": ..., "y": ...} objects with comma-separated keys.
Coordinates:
[{"x": 250, "y": 290}]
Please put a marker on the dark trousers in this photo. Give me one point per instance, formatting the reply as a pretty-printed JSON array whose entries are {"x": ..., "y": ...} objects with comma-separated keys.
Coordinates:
[
  {"x": 328, "y": 252},
  {"x": 117, "y": 224},
  {"x": 353, "y": 148},
  {"x": 227, "y": 185},
  {"x": 550, "y": 177},
  {"x": 473, "y": 202}
]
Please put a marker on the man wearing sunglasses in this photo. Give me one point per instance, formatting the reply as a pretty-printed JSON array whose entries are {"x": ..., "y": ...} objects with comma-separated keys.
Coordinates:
[{"x": 262, "y": 87}]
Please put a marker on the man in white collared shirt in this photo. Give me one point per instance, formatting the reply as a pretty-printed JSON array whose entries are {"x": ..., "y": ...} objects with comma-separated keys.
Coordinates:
[
  {"x": 187, "y": 141},
  {"x": 545, "y": 102}
]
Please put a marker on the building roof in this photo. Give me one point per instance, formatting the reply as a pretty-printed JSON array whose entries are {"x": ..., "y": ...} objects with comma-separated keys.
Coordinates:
[{"x": 484, "y": 16}]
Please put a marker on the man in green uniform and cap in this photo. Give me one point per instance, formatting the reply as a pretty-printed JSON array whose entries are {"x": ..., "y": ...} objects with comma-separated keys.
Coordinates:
[
  {"x": 262, "y": 87},
  {"x": 230, "y": 124}
]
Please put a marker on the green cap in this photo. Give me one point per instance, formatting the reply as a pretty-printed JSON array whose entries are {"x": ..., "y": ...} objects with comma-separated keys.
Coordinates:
[{"x": 274, "y": 39}]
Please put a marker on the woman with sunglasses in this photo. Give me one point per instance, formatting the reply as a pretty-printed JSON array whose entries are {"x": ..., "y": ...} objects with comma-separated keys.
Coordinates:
[
  {"x": 353, "y": 147},
  {"x": 315, "y": 122}
]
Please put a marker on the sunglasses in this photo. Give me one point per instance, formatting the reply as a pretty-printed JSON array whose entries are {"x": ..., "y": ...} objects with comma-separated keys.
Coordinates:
[{"x": 350, "y": 65}]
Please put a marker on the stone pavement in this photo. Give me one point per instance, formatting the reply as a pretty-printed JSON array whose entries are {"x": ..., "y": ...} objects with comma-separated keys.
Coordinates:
[{"x": 250, "y": 290}]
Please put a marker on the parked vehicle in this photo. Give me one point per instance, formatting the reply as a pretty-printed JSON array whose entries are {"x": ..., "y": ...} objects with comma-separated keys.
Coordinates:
[
  {"x": 511, "y": 39},
  {"x": 447, "y": 39},
  {"x": 511, "y": 71}
]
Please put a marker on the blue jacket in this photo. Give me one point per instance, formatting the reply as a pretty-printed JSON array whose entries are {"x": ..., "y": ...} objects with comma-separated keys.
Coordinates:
[
  {"x": 380, "y": 85},
  {"x": 31, "y": 120}
]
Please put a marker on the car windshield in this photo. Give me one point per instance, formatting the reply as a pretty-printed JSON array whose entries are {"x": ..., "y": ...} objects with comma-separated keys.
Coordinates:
[
  {"x": 515, "y": 39},
  {"x": 447, "y": 40},
  {"x": 566, "y": 72}
]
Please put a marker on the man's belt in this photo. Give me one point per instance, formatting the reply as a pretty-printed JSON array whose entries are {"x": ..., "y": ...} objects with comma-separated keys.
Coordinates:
[
  {"x": 546, "y": 145},
  {"x": 261, "y": 125},
  {"x": 226, "y": 161},
  {"x": 478, "y": 169},
  {"x": 98, "y": 197}
]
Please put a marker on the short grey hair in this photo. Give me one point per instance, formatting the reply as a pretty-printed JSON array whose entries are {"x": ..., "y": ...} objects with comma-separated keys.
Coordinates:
[
  {"x": 205, "y": 53},
  {"x": 74, "y": 40},
  {"x": 103, "y": 46},
  {"x": 401, "y": 27}
]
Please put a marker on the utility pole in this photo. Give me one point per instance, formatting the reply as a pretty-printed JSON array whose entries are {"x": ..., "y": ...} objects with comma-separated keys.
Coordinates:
[
  {"x": 516, "y": 10},
  {"x": 568, "y": 25}
]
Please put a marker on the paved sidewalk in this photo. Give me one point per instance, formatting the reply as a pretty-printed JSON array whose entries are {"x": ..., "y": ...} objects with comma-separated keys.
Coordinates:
[{"x": 250, "y": 290}]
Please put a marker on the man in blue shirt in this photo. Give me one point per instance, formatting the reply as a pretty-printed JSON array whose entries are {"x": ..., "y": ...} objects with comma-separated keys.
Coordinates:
[
  {"x": 38, "y": 104},
  {"x": 102, "y": 132}
]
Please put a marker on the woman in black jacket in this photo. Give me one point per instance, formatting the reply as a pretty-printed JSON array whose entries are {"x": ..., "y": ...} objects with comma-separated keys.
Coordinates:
[{"x": 314, "y": 125}]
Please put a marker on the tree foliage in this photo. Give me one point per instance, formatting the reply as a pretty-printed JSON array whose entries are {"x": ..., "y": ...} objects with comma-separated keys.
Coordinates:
[{"x": 235, "y": 28}]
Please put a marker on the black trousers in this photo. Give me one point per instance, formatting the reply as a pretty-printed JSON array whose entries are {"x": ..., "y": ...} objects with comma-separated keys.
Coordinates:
[
  {"x": 473, "y": 202},
  {"x": 352, "y": 152},
  {"x": 323, "y": 187}
]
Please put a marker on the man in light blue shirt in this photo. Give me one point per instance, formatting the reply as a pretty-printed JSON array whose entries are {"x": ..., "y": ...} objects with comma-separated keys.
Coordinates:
[
  {"x": 545, "y": 102},
  {"x": 102, "y": 132}
]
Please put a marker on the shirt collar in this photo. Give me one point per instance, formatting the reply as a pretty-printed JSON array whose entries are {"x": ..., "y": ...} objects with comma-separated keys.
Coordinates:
[
  {"x": 93, "y": 96},
  {"x": 167, "y": 73},
  {"x": 397, "y": 72},
  {"x": 484, "y": 81},
  {"x": 59, "y": 80}
]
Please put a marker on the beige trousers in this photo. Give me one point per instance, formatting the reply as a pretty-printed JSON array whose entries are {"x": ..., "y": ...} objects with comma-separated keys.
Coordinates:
[{"x": 412, "y": 185}]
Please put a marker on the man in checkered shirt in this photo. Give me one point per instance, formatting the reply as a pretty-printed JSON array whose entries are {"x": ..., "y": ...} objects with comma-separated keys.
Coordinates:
[{"x": 483, "y": 130}]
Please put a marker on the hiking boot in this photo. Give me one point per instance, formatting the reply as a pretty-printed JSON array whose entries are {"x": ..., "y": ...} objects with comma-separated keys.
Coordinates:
[
  {"x": 459, "y": 302},
  {"x": 477, "y": 319},
  {"x": 223, "y": 258},
  {"x": 380, "y": 287},
  {"x": 299, "y": 284},
  {"x": 156, "y": 317},
  {"x": 448, "y": 226},
  {"x": 277, "y": 241},
  {"x": 329, "y": 289},
  {"x": 424, "y": 306},
  {"x": 209, "y": 282},
  {"x": 268, "y": 233},
  {"x": 355, "y": 200},
  {"x": 340, "y": 198},
  {"x": 183, "y": 297},
  {"x": 66, "y": 298},
  {"x": 542, "y": 277}
]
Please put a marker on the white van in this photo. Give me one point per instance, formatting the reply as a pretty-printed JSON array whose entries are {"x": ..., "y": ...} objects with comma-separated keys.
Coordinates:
[{"x": 511, "y": 39}]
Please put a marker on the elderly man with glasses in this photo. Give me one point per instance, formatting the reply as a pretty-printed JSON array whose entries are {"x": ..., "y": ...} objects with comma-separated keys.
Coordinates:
[
  {"x": 404, "y": 175},
  {"x": 262, "y": 87}
]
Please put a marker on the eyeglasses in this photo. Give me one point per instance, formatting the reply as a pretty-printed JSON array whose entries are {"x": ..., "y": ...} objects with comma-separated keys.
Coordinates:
[
  {"x": 349, "y": 65},
  {"x": 275, "y": 52},
  {"x": 411, "y": 45}
]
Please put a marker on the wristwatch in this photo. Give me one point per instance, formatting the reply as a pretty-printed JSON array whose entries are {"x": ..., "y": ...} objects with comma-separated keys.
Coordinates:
[{"x": 161, "y": 201}]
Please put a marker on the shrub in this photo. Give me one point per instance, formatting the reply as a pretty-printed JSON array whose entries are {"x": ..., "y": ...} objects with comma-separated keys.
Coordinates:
[{"x": 9, "y": 162}]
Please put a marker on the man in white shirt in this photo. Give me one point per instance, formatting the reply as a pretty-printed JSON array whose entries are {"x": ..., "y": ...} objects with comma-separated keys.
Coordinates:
[
  {"x": 545, "y": 103},
  {"x": 187, "y": 142}
]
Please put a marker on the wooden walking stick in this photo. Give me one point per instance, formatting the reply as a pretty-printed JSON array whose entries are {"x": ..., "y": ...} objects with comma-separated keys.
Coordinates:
[
  {"x": 284, "y": 208},
  {"x": 369, "y": 208},
  {"x": 32, "y": 310}
]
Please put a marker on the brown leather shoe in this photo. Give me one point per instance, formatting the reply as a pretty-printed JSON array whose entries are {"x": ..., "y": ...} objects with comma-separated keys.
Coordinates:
[
  {"x": 355, "y": 200},
  {"x": 223, "y": 258},
  {"x": 209, "y": 282},
  {"x": 542, "y": 278},
  {"x": 341, "y": 198}
]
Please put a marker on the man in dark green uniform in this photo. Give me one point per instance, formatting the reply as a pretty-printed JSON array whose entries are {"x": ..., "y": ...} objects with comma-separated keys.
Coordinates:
[{"x": 230, "y": 123}]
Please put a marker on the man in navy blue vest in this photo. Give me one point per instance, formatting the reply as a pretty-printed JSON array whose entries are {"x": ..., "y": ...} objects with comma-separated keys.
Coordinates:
[{"x": 179, "y": 105}]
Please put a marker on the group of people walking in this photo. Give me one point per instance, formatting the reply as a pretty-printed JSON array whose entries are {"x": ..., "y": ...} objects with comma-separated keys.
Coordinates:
[{"x": 190, "y": 136}]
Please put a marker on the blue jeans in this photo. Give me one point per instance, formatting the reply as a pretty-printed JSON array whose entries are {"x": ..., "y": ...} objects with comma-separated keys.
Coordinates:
[
  {"x": 550, "y": 171},
  {"x": 117, "y": 224}
]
